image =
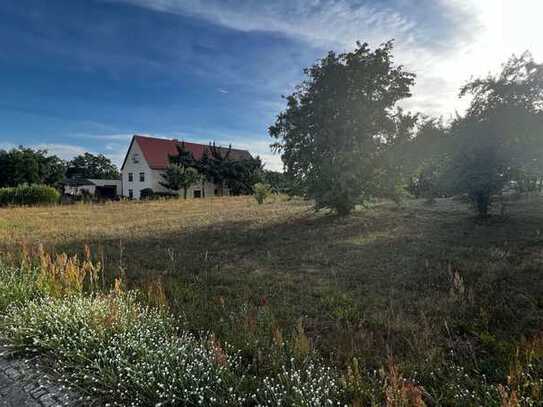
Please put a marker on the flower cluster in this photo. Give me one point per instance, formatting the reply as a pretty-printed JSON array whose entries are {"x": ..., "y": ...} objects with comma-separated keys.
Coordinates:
[
  {"x": 123, "y": 352},
  {"x": 311, "y": 384}
]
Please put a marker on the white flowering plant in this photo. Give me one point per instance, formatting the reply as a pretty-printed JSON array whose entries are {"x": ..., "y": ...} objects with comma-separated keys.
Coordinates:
[{"x": 124, "y": 352}]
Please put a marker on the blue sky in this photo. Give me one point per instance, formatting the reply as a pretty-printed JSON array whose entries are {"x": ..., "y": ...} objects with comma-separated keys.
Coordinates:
[{"x": 84, "y": 75}]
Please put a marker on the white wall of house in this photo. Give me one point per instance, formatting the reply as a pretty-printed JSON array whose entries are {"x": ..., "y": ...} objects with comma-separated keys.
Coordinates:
[
  {"x": 135, "y": 164},
  {"x": 153, "y": 178}
]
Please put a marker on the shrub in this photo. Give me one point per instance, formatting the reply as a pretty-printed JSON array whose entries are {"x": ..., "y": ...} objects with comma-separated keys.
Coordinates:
[
  {"x": 262, "y": 191},
  {"x": 147, "y": 193},
  {"x": 29, "y": 195}
]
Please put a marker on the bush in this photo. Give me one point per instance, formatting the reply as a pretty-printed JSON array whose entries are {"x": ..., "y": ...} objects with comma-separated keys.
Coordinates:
[
  {"x": 29, "y": 195},
  {"x": 147, "y": 193},
  {"x": 165, "y": 195},
  {"x": 262, "y": 191}
]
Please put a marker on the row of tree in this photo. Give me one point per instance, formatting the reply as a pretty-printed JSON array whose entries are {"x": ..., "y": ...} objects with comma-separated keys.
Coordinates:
[
  {"x": 217, "y": 165},
  {"x": 34, "y": 166},
  {"x": 344, "y": 140},
  {"x": 22, "y": 165}
]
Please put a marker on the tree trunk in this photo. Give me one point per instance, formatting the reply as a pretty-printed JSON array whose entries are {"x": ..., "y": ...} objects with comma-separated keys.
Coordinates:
[
  {"x": 483, "y": 203},
  {"x": 184, "y": 193}
]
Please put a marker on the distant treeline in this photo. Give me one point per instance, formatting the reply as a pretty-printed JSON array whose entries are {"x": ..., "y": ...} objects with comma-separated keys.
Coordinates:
[{"x": 24, "y": 165}]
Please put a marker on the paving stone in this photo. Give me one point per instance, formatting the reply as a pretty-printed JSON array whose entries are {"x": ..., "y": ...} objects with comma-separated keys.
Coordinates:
[{"x": 21, "y": 385}]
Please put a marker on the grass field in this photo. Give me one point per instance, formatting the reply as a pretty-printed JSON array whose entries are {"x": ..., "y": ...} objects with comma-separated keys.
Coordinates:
[{"x": 424, "y": 284}]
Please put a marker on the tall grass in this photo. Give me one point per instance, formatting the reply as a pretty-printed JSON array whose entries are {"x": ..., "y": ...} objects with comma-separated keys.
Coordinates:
[
  {"x": 392, "y": 307},
  {"x": 117, "y": 349},
  {"x": 125, "y": 348}
]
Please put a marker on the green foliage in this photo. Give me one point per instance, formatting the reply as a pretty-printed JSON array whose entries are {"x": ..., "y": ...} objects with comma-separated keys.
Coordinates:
[
  {"x": 27, "y": 166},
  {"x": 278, "y": 181},
  {"x": 425, "y": 158},
  {"x": 480, "y": 167},
  {"x": 92, "y": 166},
  {"x": 29, "y": 195},
  {"x": 219, "y": 166},
  {"x": 17, "y": 285},
  {"x": 243, "y": 174},
  {"x": 177, "y": 177},
  {"x": 147, "y": 193},
  {"x": 500, "y": 136},
  {"x": 328, "y": 145},
  {"x": 262, "y": 191}
]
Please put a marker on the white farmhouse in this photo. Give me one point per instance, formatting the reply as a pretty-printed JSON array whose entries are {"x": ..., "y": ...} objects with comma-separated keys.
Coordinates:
[{"x": 147, "y": 159}]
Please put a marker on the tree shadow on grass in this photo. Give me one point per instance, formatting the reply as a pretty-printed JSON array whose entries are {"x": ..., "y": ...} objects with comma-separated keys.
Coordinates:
[{"x": 379, "y": 273}]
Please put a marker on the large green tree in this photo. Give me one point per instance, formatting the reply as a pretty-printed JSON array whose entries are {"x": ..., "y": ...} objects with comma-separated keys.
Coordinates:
[
  {"x": 218, "y": 165},
  {"x": 182, "y": 172},
  {"x": 28, "y": 166},
  {"x": 92, "y": 166},
  {"x": 337, "y": 126},
  {"x": 243, "y": 174},
  {"x": 501, "y": 136},
  {"x": 214, "y": 165}
]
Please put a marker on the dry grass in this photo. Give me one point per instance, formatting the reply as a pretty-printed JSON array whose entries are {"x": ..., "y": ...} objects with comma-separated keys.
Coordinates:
[{"x": 415, "y": 282}]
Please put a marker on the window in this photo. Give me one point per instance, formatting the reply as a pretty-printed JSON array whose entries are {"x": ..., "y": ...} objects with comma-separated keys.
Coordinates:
[
  {"x": 136, "y": 158},
  {"x": 130, "y": 194},
  {"x": 142, "y": 177},
  {"x": 130, "y": 177},
  {"x": 197, "y": 194}
]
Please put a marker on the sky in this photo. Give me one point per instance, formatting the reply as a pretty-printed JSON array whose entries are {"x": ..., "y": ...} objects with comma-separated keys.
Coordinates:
[{"x": 85, "y": 75}]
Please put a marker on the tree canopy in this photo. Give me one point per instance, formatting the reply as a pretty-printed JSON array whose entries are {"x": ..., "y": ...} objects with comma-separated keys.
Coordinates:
[
  {"x": 500, "y": 139},
  {"x": 92, "y": 166},
  {"x": 28, "y": 166},
  {"x": 339, "y": 122},
  {"x": 178, "y": 176},
  {"x": 344, "y": 140}
]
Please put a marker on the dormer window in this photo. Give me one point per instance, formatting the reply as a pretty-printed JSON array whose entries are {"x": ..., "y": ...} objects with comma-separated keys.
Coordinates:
[{"x": 136, "y": 158}]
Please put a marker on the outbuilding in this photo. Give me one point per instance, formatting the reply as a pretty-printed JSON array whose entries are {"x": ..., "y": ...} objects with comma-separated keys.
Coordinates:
[{"x": 99, "y": 188}]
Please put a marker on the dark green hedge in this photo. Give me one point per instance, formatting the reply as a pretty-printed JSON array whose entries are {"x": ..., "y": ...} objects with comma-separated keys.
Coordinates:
[{"x": 29, "y": 195}]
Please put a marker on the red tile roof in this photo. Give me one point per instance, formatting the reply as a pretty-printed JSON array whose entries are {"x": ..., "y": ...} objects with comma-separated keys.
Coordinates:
[{"x": 156, "y": 151}]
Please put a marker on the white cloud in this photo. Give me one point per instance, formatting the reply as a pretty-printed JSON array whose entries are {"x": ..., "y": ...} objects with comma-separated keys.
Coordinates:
[
  {"x": 64, "y": 151},
  {"x": 112, "y": 137},
  {"x": 6, "y": 145},
  {"x": 480, "y": 34}
]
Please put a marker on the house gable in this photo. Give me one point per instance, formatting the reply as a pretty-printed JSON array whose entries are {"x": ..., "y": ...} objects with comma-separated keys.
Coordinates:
[
  {"x": 151, "y": 156},
  {"x": 157, "y": 151}
]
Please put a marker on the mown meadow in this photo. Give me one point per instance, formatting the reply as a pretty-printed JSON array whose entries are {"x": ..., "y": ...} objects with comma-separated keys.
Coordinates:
[{"x": 405, "y": 305}]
